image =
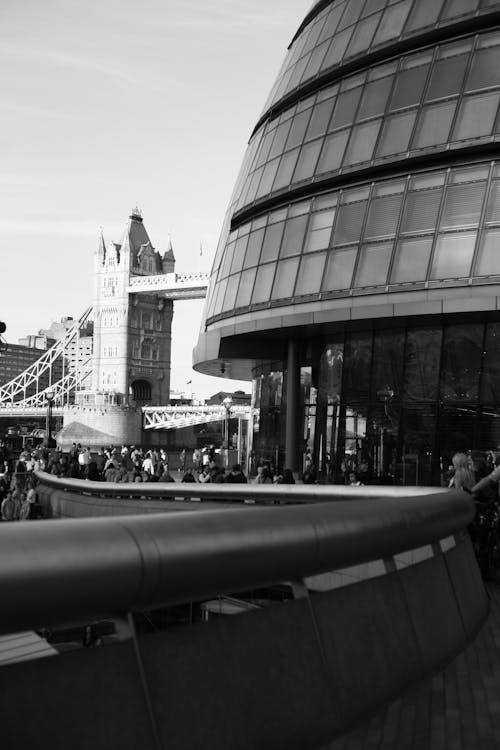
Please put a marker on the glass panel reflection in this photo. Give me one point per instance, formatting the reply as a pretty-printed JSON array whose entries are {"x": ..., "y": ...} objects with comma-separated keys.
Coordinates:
[{"x": 461, "y": 362}]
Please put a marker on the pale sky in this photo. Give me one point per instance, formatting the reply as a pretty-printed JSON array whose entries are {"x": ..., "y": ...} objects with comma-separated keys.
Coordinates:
[{"x": 105, "y": 104}]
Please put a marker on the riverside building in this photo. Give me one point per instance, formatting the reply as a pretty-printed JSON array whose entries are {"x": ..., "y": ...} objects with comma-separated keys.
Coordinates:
[{"x": 356, "y": 281}]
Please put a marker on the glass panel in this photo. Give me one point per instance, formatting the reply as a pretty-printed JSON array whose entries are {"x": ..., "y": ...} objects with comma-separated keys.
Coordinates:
[
  {"x": 339, "y": 268},
  {"x": 267, "y": 178},
  {"x": 337, "y": 48},
  {"x": 345, "y": 109},
  {"x": 315, "y": 61},
  {"x": 351, "y": 14},
  {"x": 462, "y": 205},
  {"x": 434, "y": 124},
  {"x": 279, "y": 139},
  {"x": 298, "y": 129},
  {"x": 232, "y": 288},
  {"x": 254, "y": 184},
  {"x": 476, "y": 116},
  {"x": 411, "y": 260},
  {"x": 458, "y": 7},
  {"x": 408, "y": 87},
  {"x": 264, "y": 148},
  {"x": 357, "y": 366},
  {"x": 362, "y": 142},
  {"x": 333, "y": 152},
  {"x": 387, "y": 367},
  {"x": 490, "y": 382},
  {"x": 424, "y": 13},
  {"x": 446, "y": 78},
  {"x": 285, "y": 170},
  {"x": 371, "y": 6},
  {"x": 319, "y": 120},
  {"x": 493, "y": 205},
  {"x": 263, "y": 283},
  {"x": 421, "y": 211},
  {"x": 383, "y": 216},
  {"x": 349, "y": 223},
  {"x": 245, "y": 288},
  {"x": 453, "y": 255},
  {"x": 307, "y": 160},
  {"x": 362, "y": 36},
  {"x": 485, "y": 69},
  {"x": 373, "y": 264},
  {"x": 284, "y": 281},
  {"x": 310, "y": 274},
  {"x": 294, "y": 235},
  {"x": 374, "y": 99},
  {"x": 488, "y": 261},
  {"x": 422, "y": 361},
  {"x": 332, "y": 22},
  {"x": 239, "y": 254},
  {"x": 396, "y": 133},
  {"x": 393, "y": 21},
  {"x": 220, "y": 297},
  {"x": 320, "y": 229},
  {"x": 461, "y": 362},
  {"x": 272, "y": 240},
  {"x": 253, "y": 248}
]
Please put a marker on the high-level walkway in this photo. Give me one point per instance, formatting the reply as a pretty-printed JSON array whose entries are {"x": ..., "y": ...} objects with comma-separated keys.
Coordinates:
[{"x": 457, "y": 709}]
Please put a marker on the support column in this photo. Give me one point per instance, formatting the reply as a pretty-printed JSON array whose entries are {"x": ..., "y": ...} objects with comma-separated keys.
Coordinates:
[{"x": 293, "y": 407}]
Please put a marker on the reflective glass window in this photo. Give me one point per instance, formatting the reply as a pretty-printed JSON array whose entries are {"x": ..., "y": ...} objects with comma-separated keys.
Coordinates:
[
  {"x": 387, "y": 365},
  {"x": 267, "y": 179},
  {"x": 461, "y": 362},
  {"x": 338, "y": 46},
  {"x": 264, "y": 149},
  {"x": 332, "y": 22},
  {"x": 284, "y": 281},
  {"x": 221, "y": 291},
  {"x": 424, "y": 13},
  {"x": 383, "y": 216},
  {"x": 320, "y": 229},
  {"x": 362, "y": 142},
  {"x": 349, "y": 222},
  {"x": 462, "y": 205},
  {"x": 396, "y": 133},
  {"x": 280, "y": 137},
  {"x": 254, "y": 184},
  {"x": 333, "y": 151},
  {"x": 490, "y": 381},
  {"x": 485, "y": 69},
  {"x": 297, "y": 73},
  {"x": 371, "y": 6},
  {"x": 315, "y": 61},
  {"x": 411, "y": 260},
  {"x": 239, "y": 254},
  {"x": 339, "y": 268},
  {"x": 476, "y": 116},
  {"x": 298, "y": 129},
  {"x": 362, "y": 36},
  {"x": 285, "y": 169},
  {"x": 272, "y": 241},
  {"x": 373, "y": 264},
  {"x": 408, "y": 87},
  {"x": 310, "y": 274},
  {"x": 422, "y": 364},
  {"x": 493, "y": 205},
  {"x": 294, "y": 235},
  {"x": 488, "y": 260},
  {"x": 434, "y": 124},
  {"x": 458, "y": 7},
  {"x": 374, "y": 100},
  {"x": 453, "y": 255},
  {"x": 393, "y": 21},
  {"x": 421, "y": 211},
  {"x": 245, "y": 288},
  {"x": 446, "y": 78},
  {"x": 263, "y": 283},
  {"x": 345, "y": 109},
  {"x": 253, "y": 248},
  {"x": 319, "y": 120},
  {"x": 351, "y": 13},
  {"x": 230, "y": 296},
  {"x": 306, "y": 164},
  {"x": 357, "y": 366}
]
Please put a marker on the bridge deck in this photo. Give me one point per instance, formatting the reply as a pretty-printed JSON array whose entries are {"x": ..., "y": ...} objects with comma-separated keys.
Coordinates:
[{"x": 457, "y": 709}]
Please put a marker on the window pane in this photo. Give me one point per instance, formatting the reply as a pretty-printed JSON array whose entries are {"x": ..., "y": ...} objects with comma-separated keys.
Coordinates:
[
  {"x": 339, "y": 268},
  {"x": 253, "y": 248},
  {"x": 434, "y": 124},
  {"x": 485, "y": 69},
  {"x": 411, "y": 260},
  {"x": 245, "y": 288},
  {"x": 462, "y": 205},
  {"x": 453, "y": 255},
  {"x": 320, "y": 229},
  {"x": 263, "y": 283},
  {"x": 310, "y": 274},
  {"x": 239, "y": 254},
  {"x": 488, "y": 261},
  {"x": 284, "y": 281},
  {"x": 490, "y": 382},
  {"x": 421, "y": 210},
  {"x": 272, "y": 240},
  {"x": 307, "y": 160},
  {"x": 383, "y": 216},
  {"x": 446, "y": 77},
  {"x": 280, "y": 137},
  {"x": 337, "y": 48},
  {"x": 373, "y": 264},
  {"x": 425, "y": 13},
  {"x": 285, "y": 169},
  {"x": 319, "y": 120},
  {"x": 476, "y": 116},
  {"x": 232, "y": 288},
  {"x": 393, "y": 21},
  {"x": 422, "y": 360},
  {"x": 396, "y": 134},
  {"x": 298, "y": 129},
  {"x": 461, "y": 361},
  {"x": 351, "y": 13},
  {"x": 267, "y": 178},
  {"x": 457, "y": 7},
  {"x": 362, "y": 36},
  {"x": 362, "y": 142},
  {"x": 493, "y": 205},
  {"x": 345, "y": 109},
  {"x": 294, "y": 235},
  {"x": 408, "y": 87},
  {"x": 333, "y": 152},
  {"x": 374, "y": 99},
  {"x": 315, "y": 61},
  {"x": 349, "y": 222}
]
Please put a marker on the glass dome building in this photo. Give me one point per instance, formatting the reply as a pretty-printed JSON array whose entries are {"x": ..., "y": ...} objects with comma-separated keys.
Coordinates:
[{"x": 357, "y": 277}]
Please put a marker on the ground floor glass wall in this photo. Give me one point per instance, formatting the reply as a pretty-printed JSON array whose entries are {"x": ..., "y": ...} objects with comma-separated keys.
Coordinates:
[{"x": 391, "y": 404}]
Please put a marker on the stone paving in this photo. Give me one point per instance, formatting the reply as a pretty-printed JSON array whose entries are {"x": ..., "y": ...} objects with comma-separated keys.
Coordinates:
[{"x": 457, "y": 709}]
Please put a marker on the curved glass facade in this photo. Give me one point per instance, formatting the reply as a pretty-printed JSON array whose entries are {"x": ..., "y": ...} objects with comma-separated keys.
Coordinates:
[{"x": 360, "y": 254}]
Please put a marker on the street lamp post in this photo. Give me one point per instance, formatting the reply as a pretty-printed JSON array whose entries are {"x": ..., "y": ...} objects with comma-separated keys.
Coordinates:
[
  {"x": 227, "y": 403},
  {"x": 49, "y": 397}
]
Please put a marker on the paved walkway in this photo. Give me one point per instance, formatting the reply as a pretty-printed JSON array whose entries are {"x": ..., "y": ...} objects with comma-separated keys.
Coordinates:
[{"x": 458, "y": 709}]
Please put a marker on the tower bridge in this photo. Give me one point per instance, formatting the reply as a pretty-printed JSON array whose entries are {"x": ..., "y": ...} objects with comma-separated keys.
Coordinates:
[{"x": 127, "y": 375}]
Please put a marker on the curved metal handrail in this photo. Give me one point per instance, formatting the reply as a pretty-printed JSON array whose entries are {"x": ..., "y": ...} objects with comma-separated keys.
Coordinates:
[{"x": 58, "y": 572}]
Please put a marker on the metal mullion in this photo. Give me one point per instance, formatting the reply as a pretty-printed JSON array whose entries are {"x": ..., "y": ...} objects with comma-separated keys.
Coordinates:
[
  {"x": 361, "y": 235},
  {"x": 436, "y": 230},
  {"x": 398, "y": 229},
  {"x": 461, "y": 94},
  {"x": 482, "y": 216},
  {"x": 301, "y": 254},
  {"x": 330, "y": 246}
]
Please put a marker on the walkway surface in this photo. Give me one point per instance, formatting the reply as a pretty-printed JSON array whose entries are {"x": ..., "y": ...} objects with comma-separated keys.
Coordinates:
[{"x": 458, "y": 709}]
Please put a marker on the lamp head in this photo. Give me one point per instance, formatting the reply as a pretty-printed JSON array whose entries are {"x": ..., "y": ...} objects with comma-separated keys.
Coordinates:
[{"x": 49, "y": 394}]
